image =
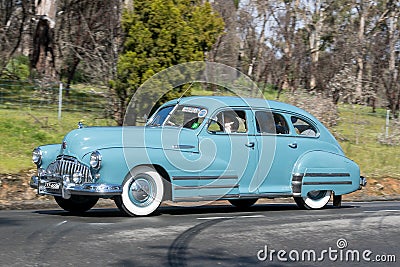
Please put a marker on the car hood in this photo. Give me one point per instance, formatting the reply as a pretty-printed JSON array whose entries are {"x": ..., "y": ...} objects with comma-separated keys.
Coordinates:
[{"x": 82, "y": 141}]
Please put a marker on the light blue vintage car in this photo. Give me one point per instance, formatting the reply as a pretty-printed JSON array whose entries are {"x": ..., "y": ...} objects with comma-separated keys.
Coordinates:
[{"x": 199, "y": 148}]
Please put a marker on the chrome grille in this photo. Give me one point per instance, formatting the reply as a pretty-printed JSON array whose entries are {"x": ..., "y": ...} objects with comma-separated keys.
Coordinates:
[{"x": 66, "y": 165}]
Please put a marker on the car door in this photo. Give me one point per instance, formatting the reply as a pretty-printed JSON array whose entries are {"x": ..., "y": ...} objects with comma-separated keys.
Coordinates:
[
  {"x": 279, "y": 149},
  {"x": 229, "y": 144}
]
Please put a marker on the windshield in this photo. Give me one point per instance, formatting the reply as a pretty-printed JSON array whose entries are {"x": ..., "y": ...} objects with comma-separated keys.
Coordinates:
[{"x": 179, "y": 116}]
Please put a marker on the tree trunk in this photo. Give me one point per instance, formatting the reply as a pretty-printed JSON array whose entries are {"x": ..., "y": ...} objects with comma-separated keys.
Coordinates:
[
  {"x": 360, "y": 56},
  {"x": 392, "y": 79},
  {"x": 314, "y": 43},
  {"x": 70, "y": 75},
  {"x": 290, "y": 27},
  {"x": 42, "y": 56},
  {"x": 261, "y": 45}
]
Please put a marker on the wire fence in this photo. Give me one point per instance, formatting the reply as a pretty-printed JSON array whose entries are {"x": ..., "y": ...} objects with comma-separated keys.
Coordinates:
[
  {"x": 93, "y": 101},
  {"x": 36, "y": 96}
]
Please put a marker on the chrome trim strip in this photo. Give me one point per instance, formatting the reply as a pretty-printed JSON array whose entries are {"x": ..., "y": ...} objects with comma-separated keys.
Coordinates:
[
  {"x": 183, "y": 147},
  {"x": 232, "y": 196},
  {"x": 345, "y": 174},
  {"x": 297, "y": 180},
  {"x": 205, "y": 187},
  {"x": 328, "y": 182},
  {"x": 265, "y": 195},
  {"x": 94, "y": 189},
  {"x": 204, "y": 198},
  {"x": 180, "y": 178}
]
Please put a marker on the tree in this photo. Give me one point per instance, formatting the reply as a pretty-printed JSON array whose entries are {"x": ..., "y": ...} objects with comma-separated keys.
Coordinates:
[
  {"x": 226, "y": 48},
  {"x": 285, "y": 18},
  {"x": 14, "y": 23},
  {"x": 87, "y": 35},
  {"x": 42, "y": 56},
  {"x": 160, "y": 34},
  {"x": 391, "y": 77},
  {"x": 62, "y": 35}
]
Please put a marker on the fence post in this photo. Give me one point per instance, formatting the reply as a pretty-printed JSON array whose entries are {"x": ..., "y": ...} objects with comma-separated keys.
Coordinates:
[
  {"x": 60, "y": 100},
  {"x": 387, "y": 123}
]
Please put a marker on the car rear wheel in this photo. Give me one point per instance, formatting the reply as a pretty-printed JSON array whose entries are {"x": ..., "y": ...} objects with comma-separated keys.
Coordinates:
[
  {"x": 77, "y": 204},
  {"x": 314, "y": 199},
  {"x": 142, "y": 192},
  {"x": 243, "y": 203}
]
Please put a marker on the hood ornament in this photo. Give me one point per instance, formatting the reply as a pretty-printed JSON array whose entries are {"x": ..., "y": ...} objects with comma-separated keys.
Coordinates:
[{"x": 80, "y": 125}]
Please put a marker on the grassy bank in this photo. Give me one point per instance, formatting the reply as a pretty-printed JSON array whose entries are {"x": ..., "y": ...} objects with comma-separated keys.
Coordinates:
[
  {"x": 357, "y": 132},
  {"x": 23, "y": 130}
]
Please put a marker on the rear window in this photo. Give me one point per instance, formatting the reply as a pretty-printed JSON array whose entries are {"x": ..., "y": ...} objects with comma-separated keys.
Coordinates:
[{"x": 303, "y": 127}]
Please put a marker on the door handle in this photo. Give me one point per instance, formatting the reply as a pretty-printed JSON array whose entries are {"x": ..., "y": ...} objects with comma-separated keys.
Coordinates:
[
  {"x": 183, "y": 147},
  {"x": 250, "y": 144},
  {"x": 293, "y": 145}
]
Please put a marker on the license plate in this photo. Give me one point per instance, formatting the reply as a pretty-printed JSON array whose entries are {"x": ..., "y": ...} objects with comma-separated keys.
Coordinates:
[{"x": 52, "y": 185}]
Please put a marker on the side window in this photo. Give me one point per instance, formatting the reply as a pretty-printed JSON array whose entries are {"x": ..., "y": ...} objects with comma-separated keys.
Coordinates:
[
  {"x": 271, "y": 123},
  {"x": 302, "y": 127},
  {"x": 232, "y": 121}
]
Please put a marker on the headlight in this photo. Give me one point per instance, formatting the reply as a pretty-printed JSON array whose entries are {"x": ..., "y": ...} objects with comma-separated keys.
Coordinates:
[
  {"x": 95, "y": 160},
  {"x": 37, "y": 156}
]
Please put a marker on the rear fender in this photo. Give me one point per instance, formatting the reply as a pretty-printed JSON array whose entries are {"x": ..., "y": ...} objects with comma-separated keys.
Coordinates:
[{"x": 321, "y": 170}]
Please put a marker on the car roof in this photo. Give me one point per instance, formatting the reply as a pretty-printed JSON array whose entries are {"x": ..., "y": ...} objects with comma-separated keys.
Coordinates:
[{"x": 215, "y": 102}]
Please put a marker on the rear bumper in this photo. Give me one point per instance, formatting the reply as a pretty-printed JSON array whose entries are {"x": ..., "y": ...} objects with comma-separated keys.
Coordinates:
[
  {"x": 363, "y": 182},
  {"x": 57, "y": 186}
]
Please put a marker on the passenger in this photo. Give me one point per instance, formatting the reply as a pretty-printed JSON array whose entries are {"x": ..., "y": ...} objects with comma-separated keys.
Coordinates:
[{"x": 231, "y": 124}]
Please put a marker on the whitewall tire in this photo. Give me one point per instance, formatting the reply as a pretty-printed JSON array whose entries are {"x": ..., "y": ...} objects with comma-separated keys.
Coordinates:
[
  {"x": 314, "y": 199},
  {"x": 142, "y": 192}
]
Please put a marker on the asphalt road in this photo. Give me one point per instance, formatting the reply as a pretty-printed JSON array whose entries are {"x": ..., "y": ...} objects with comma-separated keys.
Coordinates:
[{"x": 358, "y": 234}]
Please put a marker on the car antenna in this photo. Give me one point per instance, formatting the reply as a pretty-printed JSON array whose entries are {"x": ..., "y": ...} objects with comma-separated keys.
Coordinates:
[{"x": 179, "y": 100}]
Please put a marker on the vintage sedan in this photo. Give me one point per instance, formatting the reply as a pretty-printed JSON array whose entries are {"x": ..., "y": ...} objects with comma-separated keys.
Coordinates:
[{"x": 199, "y": 148}]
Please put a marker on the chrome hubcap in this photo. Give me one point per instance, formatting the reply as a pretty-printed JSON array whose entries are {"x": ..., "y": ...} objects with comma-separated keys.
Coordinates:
[
  {"x": 140, "y": 190},
  {"x": 315, "y": 195}
]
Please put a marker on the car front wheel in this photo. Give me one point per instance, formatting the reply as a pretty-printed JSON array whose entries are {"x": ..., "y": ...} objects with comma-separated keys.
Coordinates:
[
  {"x": 142, "y": 192},
  {"x": 314, "y": 200},
  {"x": 77, "y": 204}
]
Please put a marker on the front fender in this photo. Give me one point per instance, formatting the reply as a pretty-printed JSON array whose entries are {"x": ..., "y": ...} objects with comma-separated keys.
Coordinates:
[
  {"x": 321, "y": 170},
  {"x": 117, "y": 162},
  {"x": 49, "y": 154},
  {"x": 113, "y": 165}
]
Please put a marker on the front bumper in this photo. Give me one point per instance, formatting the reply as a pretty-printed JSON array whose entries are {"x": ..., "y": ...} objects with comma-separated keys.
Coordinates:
[{"x": 58, "y": 186}]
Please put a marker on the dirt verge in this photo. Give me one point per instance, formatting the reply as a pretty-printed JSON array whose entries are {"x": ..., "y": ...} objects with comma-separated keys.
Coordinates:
[{"x": 15, "y": 193}]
